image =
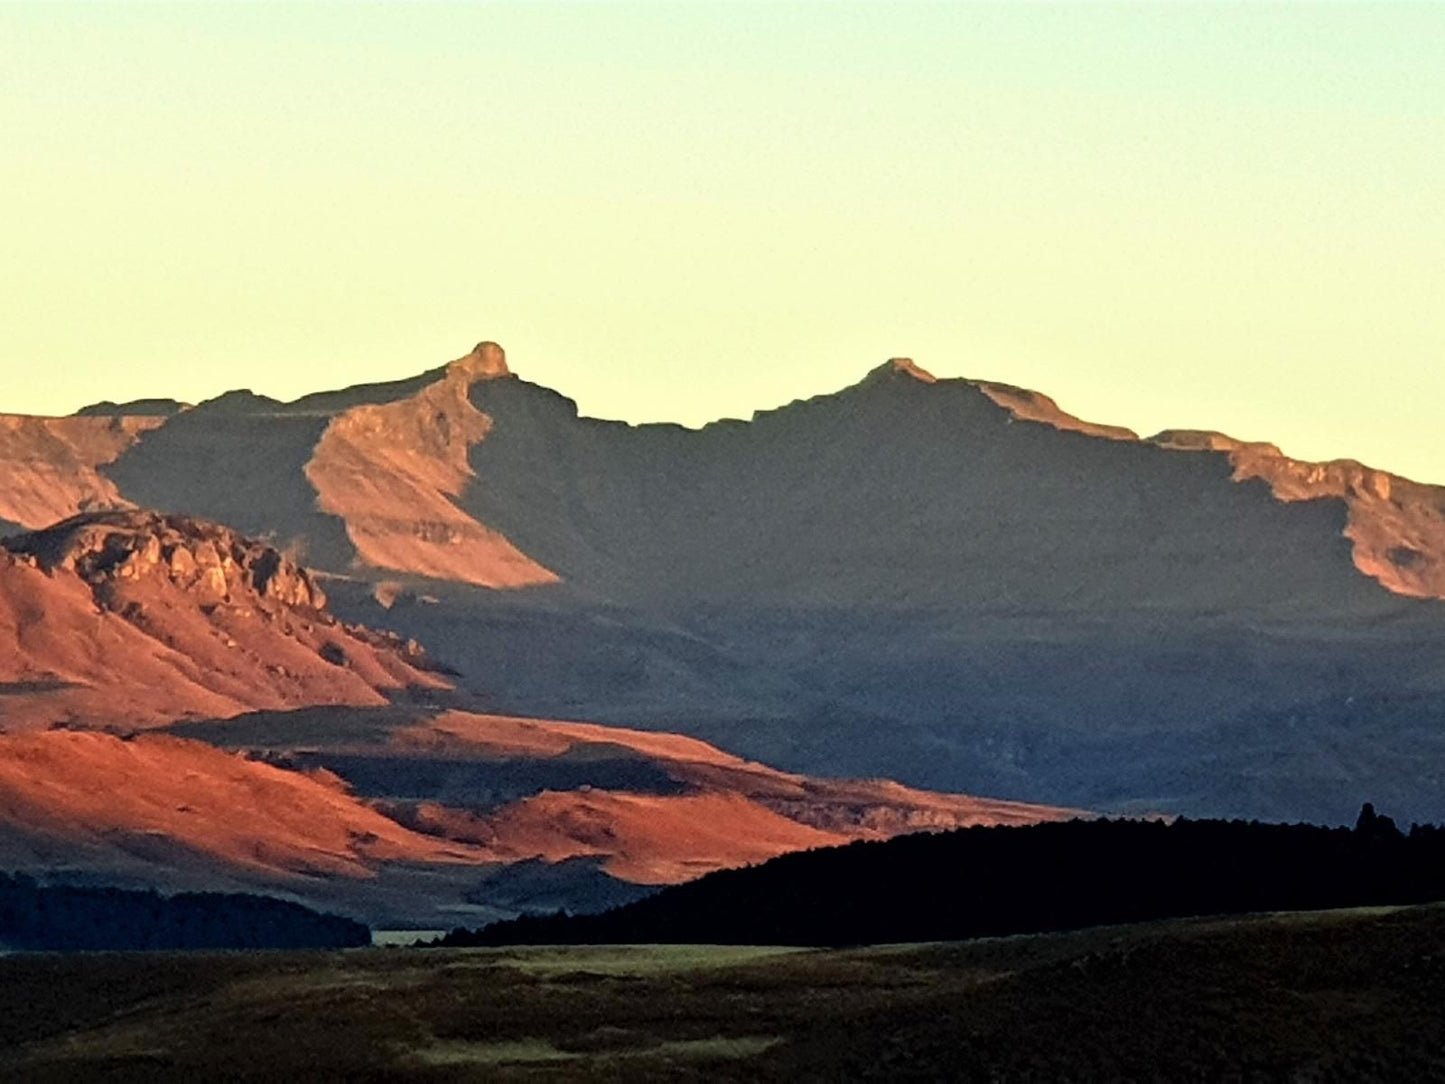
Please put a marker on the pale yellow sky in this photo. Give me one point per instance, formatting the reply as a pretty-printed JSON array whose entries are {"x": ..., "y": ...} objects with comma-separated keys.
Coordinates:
[{"x": 1217, "y": 214}]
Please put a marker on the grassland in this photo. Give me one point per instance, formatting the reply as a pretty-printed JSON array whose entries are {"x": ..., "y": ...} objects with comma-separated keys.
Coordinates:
[{"x": 1333, "y": 995}]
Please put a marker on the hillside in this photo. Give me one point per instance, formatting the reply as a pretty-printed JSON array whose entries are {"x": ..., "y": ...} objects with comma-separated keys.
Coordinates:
[
  {"x": 49, "y": 467},
  {"x": 399, "y": 817},
  {"x": 132, "y": 618}
]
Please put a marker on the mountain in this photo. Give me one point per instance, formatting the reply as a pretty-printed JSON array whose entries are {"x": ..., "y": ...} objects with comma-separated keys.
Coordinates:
[
  {"x": 180, "y": 710},
  {"x": 953, "y": 583}
]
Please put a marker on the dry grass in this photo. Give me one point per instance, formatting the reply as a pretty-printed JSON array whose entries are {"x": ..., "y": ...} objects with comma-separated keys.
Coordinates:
[{"x": 1323, "y": 996}]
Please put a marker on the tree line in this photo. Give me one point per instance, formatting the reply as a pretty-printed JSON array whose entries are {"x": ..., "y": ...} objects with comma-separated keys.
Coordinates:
[
  {"x": 993, "y": 881},
  {"x": 35, "y": 916}
]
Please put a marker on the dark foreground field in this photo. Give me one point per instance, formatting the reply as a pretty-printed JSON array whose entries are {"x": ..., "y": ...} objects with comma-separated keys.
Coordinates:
[{"x": 1329, "y": 995}]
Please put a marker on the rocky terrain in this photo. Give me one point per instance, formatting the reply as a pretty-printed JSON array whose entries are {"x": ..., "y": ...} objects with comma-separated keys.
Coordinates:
[{"x": 133, "y": 618}]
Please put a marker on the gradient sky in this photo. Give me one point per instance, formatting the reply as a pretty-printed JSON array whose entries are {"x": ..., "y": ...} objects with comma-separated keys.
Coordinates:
[{"x": 1211, "y": 215}]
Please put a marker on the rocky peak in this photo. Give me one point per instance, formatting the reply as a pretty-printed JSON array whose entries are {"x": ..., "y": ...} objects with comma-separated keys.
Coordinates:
[
  {"x": 906, "y": 367},
  {"x": 486, "y": 362},
  {"x": 216, "y": 564},
  {"x": 898, "y": 369}
]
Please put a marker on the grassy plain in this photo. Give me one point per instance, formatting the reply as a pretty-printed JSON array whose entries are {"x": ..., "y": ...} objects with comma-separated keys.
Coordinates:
[{"x": 1334, "y": 995}]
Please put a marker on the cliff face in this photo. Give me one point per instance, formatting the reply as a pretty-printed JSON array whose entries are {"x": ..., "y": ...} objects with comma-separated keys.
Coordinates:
[
  {"x": 213, "y": 563},
  {"x": 393, "y": 473},
  {"x": 1396, "y": 526},
  {"x": 137, "y": 618}
]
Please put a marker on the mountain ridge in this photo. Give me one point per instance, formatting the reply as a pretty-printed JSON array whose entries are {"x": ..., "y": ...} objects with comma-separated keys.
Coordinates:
[{"x": 953, "y": 583}]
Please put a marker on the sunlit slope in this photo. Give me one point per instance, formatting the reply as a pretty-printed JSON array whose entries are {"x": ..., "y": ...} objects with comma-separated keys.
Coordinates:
[
  {"x": 363, "y": 479},
  {"x": 643, "y": 807},
  {"x": 397, "y": 816},
  {"x": 131, "y": 618},
  {"x": 49, "y": 467}
]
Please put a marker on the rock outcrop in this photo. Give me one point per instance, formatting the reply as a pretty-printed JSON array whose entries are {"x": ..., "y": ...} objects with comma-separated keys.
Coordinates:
[{"x": 135, "y": 618}]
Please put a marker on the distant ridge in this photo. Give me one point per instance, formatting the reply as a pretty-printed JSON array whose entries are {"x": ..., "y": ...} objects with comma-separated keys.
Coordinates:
[
  {"x": 391, "y": 463},
  {"x": 145, "y": 408}
]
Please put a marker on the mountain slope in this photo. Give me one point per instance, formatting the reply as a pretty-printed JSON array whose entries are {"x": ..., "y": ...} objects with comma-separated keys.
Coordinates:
[
  {"x": 897, "y": 492},
  {"x": 49, "y": 467},
  {"x": 132, "y": 618},
  {"x": 644, "y": 807},
  {"x": 392, "y": 471},
  {"x": 412, "y": 819}
]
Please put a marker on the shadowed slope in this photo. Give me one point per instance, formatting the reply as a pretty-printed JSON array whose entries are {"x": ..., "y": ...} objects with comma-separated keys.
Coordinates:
[
  {"x": 896, "y": 492},
  {"x": 238, "y": 459},
  {"x": 991, "y": 882}
]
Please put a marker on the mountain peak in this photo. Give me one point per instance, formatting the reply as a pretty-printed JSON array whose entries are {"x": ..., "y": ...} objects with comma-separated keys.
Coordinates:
[
  {"x": 486, "y": 361},
  {"x": 895, "y": 368},
  {"x": 906, "y": 367}
]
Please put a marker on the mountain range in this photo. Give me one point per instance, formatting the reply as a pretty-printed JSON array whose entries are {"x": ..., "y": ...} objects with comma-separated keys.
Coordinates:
[{"x": 950, "y": 583}]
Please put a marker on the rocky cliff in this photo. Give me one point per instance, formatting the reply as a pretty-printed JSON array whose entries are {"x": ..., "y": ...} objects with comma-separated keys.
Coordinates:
[{"x": 138, "y": 618}]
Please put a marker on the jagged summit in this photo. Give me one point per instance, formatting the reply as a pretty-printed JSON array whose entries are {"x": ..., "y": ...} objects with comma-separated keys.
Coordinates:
[
  {"x": 486, "y": 361},
  {"x": 899, "y": 367},
  {"x": 1210, "y": 440},
  {"x": 906, "y": 367}
]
